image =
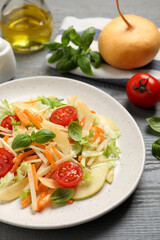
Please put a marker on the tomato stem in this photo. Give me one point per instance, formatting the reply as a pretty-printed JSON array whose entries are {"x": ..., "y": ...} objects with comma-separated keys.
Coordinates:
[{"x": 142, "y": 87}]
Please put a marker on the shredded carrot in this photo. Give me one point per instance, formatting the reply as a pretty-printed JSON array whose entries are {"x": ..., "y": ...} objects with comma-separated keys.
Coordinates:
[
  {"x": 35, "y": 177},
  {"x": 57, "y": 154},
  {"x": 14, "y": 159},
  {"x": 42, "y": 188},
  {"x": 99, "y": 130},
  {"x": 82, "y": 121},
  {"x": 21, "y": 116},
  {"x": 26, "y": 201},
  {"x": 39, "y": 145},
  {"x": 70, "y": 201},
  {"x": 92, "y": 111},
  {"x": 28, "y": 153},
  {"x": 44, "y": 200},
  {"x": 30, "y": 102},
  {"x": 32, "y": 118},
  {"x": 29, "y": 158},
  {"x": 96, "y": 135},
  {"x": 38, "y": 117},
  {"x": 79, "y": 158},
  {"x": 17, "y": 162},
  {"x": 101, "y": 137},
  {"x": 6, "y": 138},
  {"x": 50, "y": 159}
]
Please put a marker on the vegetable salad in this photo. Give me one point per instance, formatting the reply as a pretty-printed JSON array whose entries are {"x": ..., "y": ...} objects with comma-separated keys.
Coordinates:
[{"x": 54, "y": 152}]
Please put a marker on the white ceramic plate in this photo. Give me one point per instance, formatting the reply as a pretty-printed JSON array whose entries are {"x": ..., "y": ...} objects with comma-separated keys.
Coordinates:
[{"x": 128, "y": 170}]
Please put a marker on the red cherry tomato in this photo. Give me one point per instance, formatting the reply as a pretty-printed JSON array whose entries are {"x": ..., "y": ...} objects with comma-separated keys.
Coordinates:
[
  {"x": 64, "y": 115},
  {"x": 6, "y": 122},
  {"x": 6, "y": 162},
  {"x": 68, "y": 174},
  {"x": 143, "y": 90}
]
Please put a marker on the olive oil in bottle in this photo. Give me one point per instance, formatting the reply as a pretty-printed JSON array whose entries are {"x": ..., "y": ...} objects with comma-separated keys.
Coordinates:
[{"x": 26, "y": 27}]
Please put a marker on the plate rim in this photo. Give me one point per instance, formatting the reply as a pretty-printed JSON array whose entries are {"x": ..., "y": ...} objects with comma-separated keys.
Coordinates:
[{"x": 116, "y": 204}]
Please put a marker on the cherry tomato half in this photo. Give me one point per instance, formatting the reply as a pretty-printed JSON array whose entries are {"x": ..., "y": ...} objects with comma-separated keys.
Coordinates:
[
  {"x": 6, "y": 122},
  {"x": 143, "y": 90},
  {"x": 68, "y": 174},
  {"x": 64, "y": 115},
  {"x": 6, "y": 162}
]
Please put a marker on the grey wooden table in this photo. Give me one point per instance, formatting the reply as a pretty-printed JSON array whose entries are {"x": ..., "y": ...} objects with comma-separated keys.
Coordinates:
[{"x": 139, "y": 216}]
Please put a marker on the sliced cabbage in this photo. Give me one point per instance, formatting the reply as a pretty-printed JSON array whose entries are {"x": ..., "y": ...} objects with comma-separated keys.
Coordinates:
[
  {"x": 7, "y": 180},
  {"x": 22, "y": 171},
  {"x": 112, "y": 150},
  {"x": 24, "y": 193},
  {"x": 87, "y": 176}
]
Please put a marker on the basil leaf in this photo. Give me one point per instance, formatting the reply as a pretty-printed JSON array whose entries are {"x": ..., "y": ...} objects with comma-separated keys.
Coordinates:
[
  {"x": 71, "y": 51},
  {"x": 44, "y": 136},
  {"x": 52, "y": 45},
  {"x": 154, "y": 123},
  {"x": 66, "y": 36},
  {"x": 75, "y": 37},
  {"x": 75, "y": 131},
  {"x": 56, "y": 56},
  {"x": 61, "y": 195},
  {"x": 156, "y": 149},
  {"x": 84, "y": 64},
  {"x": 87, "y": 37},
  {"x": 66, "y": 64},
  {"x": 95, "y": 59},
  {"x": 21, "y": 141}
]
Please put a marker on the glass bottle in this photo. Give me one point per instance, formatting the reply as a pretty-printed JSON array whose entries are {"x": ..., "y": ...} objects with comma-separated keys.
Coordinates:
[{"x": 26, "y": 24}]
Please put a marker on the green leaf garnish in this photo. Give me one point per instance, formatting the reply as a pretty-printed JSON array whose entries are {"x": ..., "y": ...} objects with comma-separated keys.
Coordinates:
[
  {"x": 154, "y": 123},
  {"x": 156, "y": 149},
  {"x": 95, "y": 59},
  {"x": 56, "y": 56},
  {"x": 69, "y": 58},
  {"x": 85, "y": 64},
  {"x": 87, "y": 37},
  {"x": 61, "y": 195},
  {"x": 75, "y": 131},
  {"x": 21, "y": 141},
  {"x": 52, "y": 45},
  {"x": 44, "y": 136},
  {"x": 24, "y": 140}
]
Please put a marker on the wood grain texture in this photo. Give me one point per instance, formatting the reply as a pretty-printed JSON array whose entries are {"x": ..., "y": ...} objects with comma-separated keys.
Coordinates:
[{"x": 139, "y": 217}]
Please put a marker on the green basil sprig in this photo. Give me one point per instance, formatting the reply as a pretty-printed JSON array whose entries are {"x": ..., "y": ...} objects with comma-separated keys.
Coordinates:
[
  {"x": 69, "y": 58},
  {"x": 154, "y": 123},
  {"x": 24, "y": 140},
  {"x": 75, "y": 131},
  {"x": 61, "y": 195}
]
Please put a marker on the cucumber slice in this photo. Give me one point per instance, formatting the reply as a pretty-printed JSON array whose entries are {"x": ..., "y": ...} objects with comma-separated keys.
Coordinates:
[
  {"x": 99, "y": 173},
  {"x": 76, "y": 148}
]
